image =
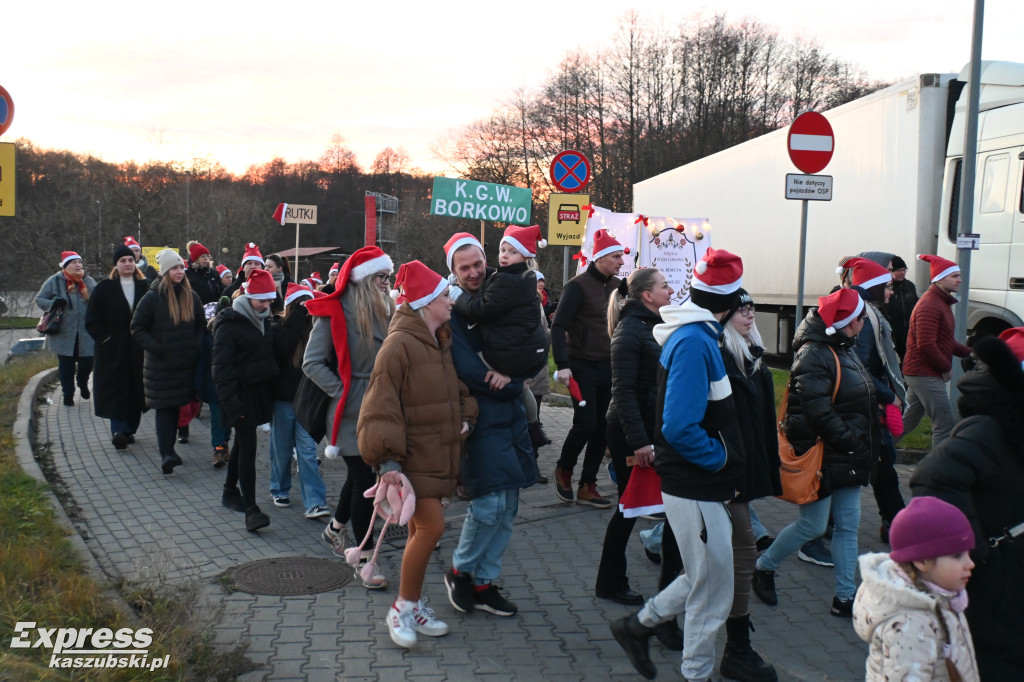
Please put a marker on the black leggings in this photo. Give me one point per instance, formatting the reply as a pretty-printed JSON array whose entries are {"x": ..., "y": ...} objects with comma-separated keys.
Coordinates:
[
  {"x": 71, "y": 368},
  {"x": 166, "y": 429},
  {"x": 351, "y": 503},
  {"x": 242, "y": 461}
]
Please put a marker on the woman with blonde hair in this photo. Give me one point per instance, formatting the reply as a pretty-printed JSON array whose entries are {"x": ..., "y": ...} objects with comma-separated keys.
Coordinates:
[
  {"x": 169, "y": 324},
  {"x": 350, "y": 327}
]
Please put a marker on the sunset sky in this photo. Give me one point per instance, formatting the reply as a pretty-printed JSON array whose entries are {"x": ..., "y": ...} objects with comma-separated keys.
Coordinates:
[{"x": 241, "y": 84}]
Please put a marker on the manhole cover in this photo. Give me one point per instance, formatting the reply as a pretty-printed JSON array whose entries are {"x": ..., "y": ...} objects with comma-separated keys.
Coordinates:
[{"x": 290, "y": 575}]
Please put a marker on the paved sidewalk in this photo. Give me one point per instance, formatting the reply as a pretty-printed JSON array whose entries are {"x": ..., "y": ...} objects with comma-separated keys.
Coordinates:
[{"x": 140, "y": 524}]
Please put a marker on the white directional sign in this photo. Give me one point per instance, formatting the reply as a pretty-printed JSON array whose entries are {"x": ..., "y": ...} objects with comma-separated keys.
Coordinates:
[{"x": 809, "y": 187}]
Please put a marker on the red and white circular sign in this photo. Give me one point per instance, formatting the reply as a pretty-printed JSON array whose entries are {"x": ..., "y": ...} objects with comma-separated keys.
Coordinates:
[{"x": 810, "y": 142}]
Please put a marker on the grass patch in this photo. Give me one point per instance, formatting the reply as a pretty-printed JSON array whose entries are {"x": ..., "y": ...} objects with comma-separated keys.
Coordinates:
[
  {"x": 18, "y": 322},
  {"x": 43, "y": 580}
]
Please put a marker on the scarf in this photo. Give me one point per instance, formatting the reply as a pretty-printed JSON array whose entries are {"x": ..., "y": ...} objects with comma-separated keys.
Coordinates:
[
  {"x": 76, "y": 282},
  {"x": 242, "y": 306}
]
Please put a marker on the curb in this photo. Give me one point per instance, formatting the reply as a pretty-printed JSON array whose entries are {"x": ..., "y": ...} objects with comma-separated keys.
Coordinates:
[{"x": 25, "y": 443}]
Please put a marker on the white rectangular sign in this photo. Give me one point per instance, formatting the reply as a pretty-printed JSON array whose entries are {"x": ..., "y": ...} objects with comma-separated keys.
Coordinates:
[
  {"x": 300, "y": 213},
  {"x": 809, "y": 187},
  {"x": 971, "y": 242}
]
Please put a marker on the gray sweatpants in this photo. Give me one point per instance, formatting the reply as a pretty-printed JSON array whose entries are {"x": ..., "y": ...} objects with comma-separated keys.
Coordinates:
[
  {"x": 704, "y": 592},
  {"x": 927, "y": 395}
]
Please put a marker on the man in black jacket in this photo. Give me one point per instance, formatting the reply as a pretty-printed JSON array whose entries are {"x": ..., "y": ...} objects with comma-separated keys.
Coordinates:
[
  {"x": 582, "y": 350},
  {"x": 901, "y": 304}
]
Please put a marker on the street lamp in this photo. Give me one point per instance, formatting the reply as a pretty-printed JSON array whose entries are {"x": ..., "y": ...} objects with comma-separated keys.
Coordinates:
[{"x": 188, "y": 176}]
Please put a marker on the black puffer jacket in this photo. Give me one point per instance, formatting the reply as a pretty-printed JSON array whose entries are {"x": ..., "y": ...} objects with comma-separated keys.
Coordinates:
[
  {"x": 244, "y": 367},
  {"x": 754, "y": 396},
  {"x": 850, "y": 427},
  {"x": 171, "y": 350},
  {"x": 980, "y": 469},
  {"x": 635, "y": 356},
  {"x": 898, "y": 310},
  {"x": 512, "y": 324},
  {"x": 205, "y": 282}
]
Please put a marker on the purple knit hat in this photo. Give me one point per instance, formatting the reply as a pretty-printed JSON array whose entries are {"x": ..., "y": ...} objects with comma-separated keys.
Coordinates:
[{"x": 929, "y": 528}]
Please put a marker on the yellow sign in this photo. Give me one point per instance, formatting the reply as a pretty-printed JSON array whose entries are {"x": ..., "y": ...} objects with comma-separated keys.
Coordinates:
[
  {"x": 149, "y": 253},
  {"x": 6, "y": 178},
  {"x": 567, "y": 219}
]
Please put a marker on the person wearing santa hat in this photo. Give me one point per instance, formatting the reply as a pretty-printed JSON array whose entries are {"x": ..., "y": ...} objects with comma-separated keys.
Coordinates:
[
  {"x": 72, "y": 344},
  {"x": 350, "y": 325},
  {"x": 226, "y": 276},
  {"x": 498, "y": 460},
  {"x": 286, "y": 433},
  {"x": 848, "y": 425},
  {"x": 582, "y": 351},
  {"x": 332, "y": 277},
  {"x": 930, "y": 349},
  {"x": 203, "y": 279},
  {"x": 699, "y": 455},
  {"x": 140, "y": 259},
  {"x": 252, "y": 259},
  {"x": 169, "y": 325},
  {"x": 980, "y": 470},
  {"x": 413, "y": 420},
  {"x": 244, "y": 371},
  {"x": 281, "y": 271}
]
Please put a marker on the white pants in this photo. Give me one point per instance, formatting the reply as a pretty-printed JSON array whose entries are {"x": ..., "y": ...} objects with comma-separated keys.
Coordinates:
[{"x": 704, "y": 592}]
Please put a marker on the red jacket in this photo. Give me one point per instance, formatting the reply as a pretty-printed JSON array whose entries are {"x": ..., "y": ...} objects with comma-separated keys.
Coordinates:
[{"x": 930, "y": 342}]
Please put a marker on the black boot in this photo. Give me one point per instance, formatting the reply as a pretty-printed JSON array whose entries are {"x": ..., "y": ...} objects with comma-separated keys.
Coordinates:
[
  {"x": 536, "y": 437},
  {"x": 169, "y": 461},
  {"x": 670, "y": 635},
  {"x": 633, "y": 636},
  {"x": 255, "y": 519},
  {"x": 546, "y": 440},
  {"x": 740, "y": 661}
]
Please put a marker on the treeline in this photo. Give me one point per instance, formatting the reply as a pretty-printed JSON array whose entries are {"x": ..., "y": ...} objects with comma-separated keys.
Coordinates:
[{"x": 654, "y": 98}]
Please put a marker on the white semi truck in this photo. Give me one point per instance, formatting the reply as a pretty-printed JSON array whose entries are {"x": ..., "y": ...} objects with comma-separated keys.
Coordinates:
[{"x": 896, "y": 169}]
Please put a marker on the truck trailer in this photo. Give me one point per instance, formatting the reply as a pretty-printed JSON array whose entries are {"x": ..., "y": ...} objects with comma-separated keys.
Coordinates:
[{"x": 896, "y": 170}]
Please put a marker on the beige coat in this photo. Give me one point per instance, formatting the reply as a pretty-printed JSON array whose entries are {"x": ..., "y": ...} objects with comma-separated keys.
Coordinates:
[
  {"x": 902, "y": 626},
  {"x": 413, "y": 410}
]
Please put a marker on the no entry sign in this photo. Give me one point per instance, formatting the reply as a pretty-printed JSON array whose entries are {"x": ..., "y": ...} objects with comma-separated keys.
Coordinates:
[
  {"x": 570, "y": 171},
  {"x": 6, "y": 110},
  {"x": 810, "y": 142}
]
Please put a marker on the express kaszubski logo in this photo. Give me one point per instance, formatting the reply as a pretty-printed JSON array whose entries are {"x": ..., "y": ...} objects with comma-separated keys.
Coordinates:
[{"x": 89, "y": 647}]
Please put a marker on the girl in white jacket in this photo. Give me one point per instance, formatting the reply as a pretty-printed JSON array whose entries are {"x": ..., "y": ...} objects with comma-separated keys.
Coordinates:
[{"x": 910, "y": 605}]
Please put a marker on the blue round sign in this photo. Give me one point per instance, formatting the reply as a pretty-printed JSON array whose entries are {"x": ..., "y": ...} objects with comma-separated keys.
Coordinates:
[
  {"x": 6, "y": 110},
  {"x": 570, "y": 171}
]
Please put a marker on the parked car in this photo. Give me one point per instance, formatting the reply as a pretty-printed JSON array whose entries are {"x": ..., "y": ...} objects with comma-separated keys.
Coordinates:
[{"x": 25, "y": 347}]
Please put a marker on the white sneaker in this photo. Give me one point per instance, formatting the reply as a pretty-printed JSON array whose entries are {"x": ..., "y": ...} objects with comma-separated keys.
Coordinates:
[
  {"x": 425, "y": 622},
  {"x": 400, "y": 625}
]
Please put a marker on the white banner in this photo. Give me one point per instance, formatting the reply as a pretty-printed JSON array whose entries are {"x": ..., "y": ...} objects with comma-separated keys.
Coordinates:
[{"x": 622, "y": 226}]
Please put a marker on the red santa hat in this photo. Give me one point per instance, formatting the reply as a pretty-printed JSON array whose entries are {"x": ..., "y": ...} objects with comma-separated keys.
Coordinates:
[
  {"x": 717, "y": 280},
  {"x": 839, "y": 309},
  {"x": 130, "y": 242},
  {"x": 223, "y": 270},
  {"x": 260, "y": 285},
  {"x": 866, "y": 273},
  {"x": 605, "y": 244},
  {"x": 642, "y": 495},
  {"x": 295, "y": 292},
  {"x": 315, "y": 277},
  {"x": 457, "y": 241},
  {"x": 525, "y": 240},
  {"x": 280, "y": 213},
  {"x": 418, "y": 285},
  {"x": 68, "y": 256},
  {"x": 197, "y": 250},
  {"x": 357, "y": 267},
  {"x": 252, "y": 252},
  {"x": 334, "y": 269},
  {"x": 940, "y": 267},
  {"x": 1014, "y": 338}
]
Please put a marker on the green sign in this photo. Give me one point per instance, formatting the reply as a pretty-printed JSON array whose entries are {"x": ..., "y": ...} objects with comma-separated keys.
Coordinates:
[{"x": 481, "y": 201}]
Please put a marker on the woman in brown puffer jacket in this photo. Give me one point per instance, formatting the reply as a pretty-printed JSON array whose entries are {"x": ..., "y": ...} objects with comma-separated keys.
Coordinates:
[{"x": 413, "y": 420}]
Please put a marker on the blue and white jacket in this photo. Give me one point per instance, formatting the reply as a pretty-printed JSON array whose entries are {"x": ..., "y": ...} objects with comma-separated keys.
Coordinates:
[{"x": 698, "y": 450}]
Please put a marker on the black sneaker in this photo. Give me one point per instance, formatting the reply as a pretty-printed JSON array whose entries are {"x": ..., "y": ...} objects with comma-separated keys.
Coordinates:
[
  {"x": 461, "y": 592},
  {"x": 763, "y": 584},
  {"x": 764, "y": 542},
  {"x": 255, "y": 519},
  {"x": 183, "y": 435},
  {"x": 169, "y": 462},
  {"x": 842, "y": 608},
  {"x": 490, "y": 600},
  {"x": 84, "y": 390},
  {"x": 232, "y": 499},
  {"x": 120, "y": 441},
  {"x": 69, "y": 401}
]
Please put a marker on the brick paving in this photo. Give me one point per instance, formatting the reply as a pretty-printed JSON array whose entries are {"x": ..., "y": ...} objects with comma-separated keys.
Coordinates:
[{"x": 141, "y": 525}]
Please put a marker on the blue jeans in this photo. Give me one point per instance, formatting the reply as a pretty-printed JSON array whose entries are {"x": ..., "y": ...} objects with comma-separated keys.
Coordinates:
[
  {"x": 485, "y": 535},
  {"x": 286, "y": 433},
  {"x": 219, "y": 434},
  {"x": 759, "y": 530},
  {"x": 125, "y": 425},
  {"x": 845, "y": 507}
]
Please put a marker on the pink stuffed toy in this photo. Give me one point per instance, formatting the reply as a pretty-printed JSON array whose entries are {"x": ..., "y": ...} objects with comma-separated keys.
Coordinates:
[
  {"x": 894, "y": 420},
  {"x": 394, "y": 504}
]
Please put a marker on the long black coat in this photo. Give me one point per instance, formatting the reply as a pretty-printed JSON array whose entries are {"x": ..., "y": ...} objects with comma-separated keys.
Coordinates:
[
  {"x": 635, "y": 356},
  {"x": 850, "y": 426},
  {"x": 171, "y": 350},
  {"x": 117, "y": 373},
  {"x": 244, "y": 367},
  {"x": 980, "y": 470},
  {"x": 754, "y": 397}
]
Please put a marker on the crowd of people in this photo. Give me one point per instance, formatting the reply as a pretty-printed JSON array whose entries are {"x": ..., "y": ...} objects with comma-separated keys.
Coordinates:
[{"x": 433, "y": 386}]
